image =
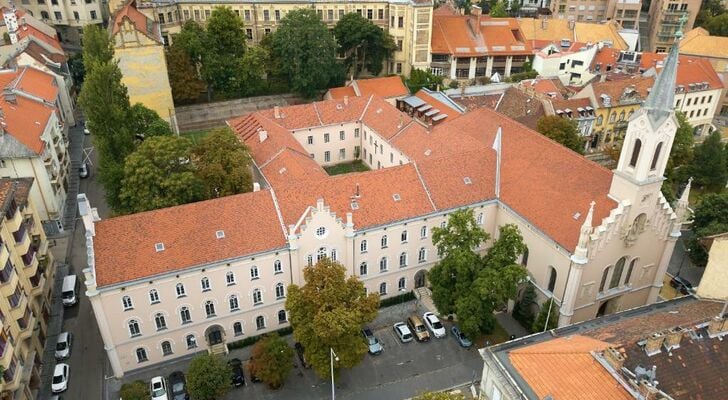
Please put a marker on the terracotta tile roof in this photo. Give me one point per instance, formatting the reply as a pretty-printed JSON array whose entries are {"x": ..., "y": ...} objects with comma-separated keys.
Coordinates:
[
  {"x": 460, "y": 179},
  {"x": 545, "y": 86},
  {"x": 387, "y": 87},
  {"x": 29, "y": 26},
  {"x": 384, "y": 119},
  {"x": 445, "y": 107},
  {"x": 338, "y": 93},
  {"x": 557, "y": 29},
  {"x": 463, "y": 36},
  {"x": 524, "y": 108},
  {"x": 141, "y": 22},
  {"x": 336, "y": 111},
  {"x": 292, "y": 166},
  {"x": 594, "y": 33},
  {"x": 17, "y": 189},
  {"x": 572, "y": 104},
  {"x": 444, "y": 9},
  {"x": 478, "y": 101},
  {"x": 250, "y": 127},
  {"x": 539, "y": 44},
  {"x": 188, "y": 232},
  {"x": 572, "y": 373},
  {"x": 699, "y": 42},
  {"x": 615, "y": 89},
  {"x": 37, "y": 83},
  {"x": 24, "y": 119}
]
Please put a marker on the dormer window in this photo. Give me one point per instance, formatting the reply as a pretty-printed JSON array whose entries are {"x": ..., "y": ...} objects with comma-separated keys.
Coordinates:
[
  {"x": 220, "y": 234},
  {"x": 159, "y": 247}
]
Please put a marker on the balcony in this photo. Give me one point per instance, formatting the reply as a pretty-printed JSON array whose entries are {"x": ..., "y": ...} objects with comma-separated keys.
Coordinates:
[
  {"x": 7, "y": 348},
  {"x": 22, "y": 240},
  {"x": 38, "y": 281},
  {"x": 11, "y": 377},
  {"x": 43, "y": 250},
  {"x": 14, "y": 220},
  {"x": 26, "y": 323},
  {"x": 21, "y": 304},
  {"x": 9, "y": 281},
  {"x": 615, "y": 291},
  {"x": 31, "y": 261}
]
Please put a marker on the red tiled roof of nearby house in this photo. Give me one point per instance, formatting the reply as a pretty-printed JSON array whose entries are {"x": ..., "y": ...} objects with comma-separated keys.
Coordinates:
[
  {"x": 339, "y": 92},
  {"x": 615, "y": 89},
  {"x": 545, "y": 86},
  {"x": 384, "y": 119},
  {"x": 24, "y": 119},
  {"x": 572, "y": 104},
  {"x": 37, "y": 83},
  {"x": 13, "y": 188},
  {"x": 472, "y": 102},
  {"x": 141, "y": 22},
  {"x": 28, "y": 26},
  {"x": 387, "y": 87},
  {"x": 292, "y": 166},
  {"x": 470, "y": 36},
  {"x": 125, "y": 246},
  {"x": 444, "y": 9},
  {"x": 522, "y": 107}
]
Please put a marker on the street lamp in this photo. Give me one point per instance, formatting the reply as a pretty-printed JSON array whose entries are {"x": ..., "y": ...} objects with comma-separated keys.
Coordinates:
[
  {"x": 333, "y": 357},
  {"x": 685, "y": 253}
]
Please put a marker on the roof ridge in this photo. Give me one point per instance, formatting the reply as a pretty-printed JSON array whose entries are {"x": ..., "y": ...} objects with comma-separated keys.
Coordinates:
[
  {"x": 424, "y": 186},
  {"x": 366, "y": 107},
  {"x": 278, "y": 213},
  {"x": 318, "y": 115}
]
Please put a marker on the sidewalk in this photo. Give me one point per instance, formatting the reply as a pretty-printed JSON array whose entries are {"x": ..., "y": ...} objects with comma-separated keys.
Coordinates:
[{"x": 511, "y": 325}]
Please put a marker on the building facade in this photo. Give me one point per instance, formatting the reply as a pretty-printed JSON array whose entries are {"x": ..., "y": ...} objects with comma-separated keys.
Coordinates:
[
  {"x": 625, "y": 12},
  {"x": 665, "y": 20},
  {"x": 26, "y": 281},
  {"x": 698, "y": 43},
  {"x": 408, "y": 21}
]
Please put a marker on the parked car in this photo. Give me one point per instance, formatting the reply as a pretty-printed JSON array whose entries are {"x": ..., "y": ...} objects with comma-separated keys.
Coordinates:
[
  {"x": 415, "y": 324},
  {"x": 158, "y": 388},
  {"x": 63, "y": 345},
  {"x": 236, "y": 367},
  {"x": 434, "y": 325},
  {"x": 460, "y": 337},
  {"x": 178, "y": 386},
  {"x": 60, "y": 378},
  {"x": 374, "y": 346},
  {"x": 403, "y": 332},
  {"x": 86, "y": 131},
  {"x": 83, "y": 171},
  {"x": 299, "y": 352},
  {"x": 682, "y": 285}
]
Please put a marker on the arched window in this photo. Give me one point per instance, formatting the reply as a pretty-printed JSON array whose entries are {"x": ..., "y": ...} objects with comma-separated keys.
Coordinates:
[
  {"x": 166, "y": 348},
  {"x": 134, "y": 328},
  {"x": 260, "y": 322},
  {"x": 383, "y": 288},
  {"x": 233, "y": 302},
  {"x": 363, "y": 246},
  {"x": 230, "y": 278},
  {"x": 385, "y": 241},
  {"x": 479, "y": 219},
  {"x": 184, "y": 315},
  {"x": 363, "y": 268},
  {"x": 629, "y": 271},
  {"x": 209, "y": 308},
  {"x": 617, "y": 273},
  {"x": 205, "y": 284},
  {"x": 141, "y": 355},
  {"x": 656, "y": 157},
  {"x": 160, "y": 321},
  {"x": 552, "y": 279},
  {"x": 423, "y": 232},
  {"x": 238, "y": 329},
  {"x": 402, "y": 284},
  {"x": 604, "y": 278},
  {"x": 254, "y": 272},
  {"x": 180, "y": 288},
  {"x": 153, "y": 296},
  {"x": 126, "y": 302},
  {"x": 600, "y": 119},
  {"x": 321, "y": 254},
  {"x": 282, "y": 317},
  {"x": 257, "y": 297},
  {"x": 422, "y": 255},
  {"x": 277, "y": 268},
  {"x": 309, "y": 260},
  {"x": 403, "y": 259},
  {"x": 404, "y": 237},
  {"x": 639, "y": 223},
  {"x": 280, "y": 291},
  {"x": 191, "y": 341},
  {"x": 383, "y": 264},
  {"x": 612, "y": 117},
  {"x": 635, "y": 153},
  {"x": 524, "y": 259},
  {"x": 621, "y": 116}
]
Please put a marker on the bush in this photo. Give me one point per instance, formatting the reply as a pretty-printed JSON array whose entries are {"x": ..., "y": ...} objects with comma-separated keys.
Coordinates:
[
  {"x": 208, "y": 377},
  {"x": 523, "y": 310},
  {"x": 137, "y": 390},
  {"x": 454, "y": 84},
  {"x": 253, "y": 339},
  {"x": 271, "y": 360},
  {"x": 517, "y": 77},
  {"x": 402, "y": 298}
]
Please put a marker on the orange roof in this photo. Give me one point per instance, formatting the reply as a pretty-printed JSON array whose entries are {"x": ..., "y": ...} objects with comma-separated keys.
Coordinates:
[
  {"x": 24, "y": 119},
  {"x": 339, "y": 92},
  {"x": 37, "y": 83},
  {"x": 544, "y": 85},
  {"x": 449, "y": 109},
  {"x": 292, "y": 165},
  {"x": 615, "y": 89},
  {"x": 27, "y": 29},
  {"x": 464, "y": 35},
  {"x": 572, "y": 372},
  {"x": 188, "y": 233},
  {"x": 390, "y": 86},
  {"x": 140, "y": 21}
]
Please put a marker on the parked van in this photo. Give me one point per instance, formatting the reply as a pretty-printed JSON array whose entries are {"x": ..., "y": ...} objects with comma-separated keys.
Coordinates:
[
  {"x": 418, "y": 328},
  {"x": 69, "y": 291}
]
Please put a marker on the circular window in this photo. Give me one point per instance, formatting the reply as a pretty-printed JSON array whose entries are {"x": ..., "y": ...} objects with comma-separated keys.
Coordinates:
[{"x": 320, "y": 232}]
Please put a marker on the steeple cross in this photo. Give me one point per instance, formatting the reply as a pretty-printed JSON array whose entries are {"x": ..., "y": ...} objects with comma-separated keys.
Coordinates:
[{"x": 683, "y": 19}]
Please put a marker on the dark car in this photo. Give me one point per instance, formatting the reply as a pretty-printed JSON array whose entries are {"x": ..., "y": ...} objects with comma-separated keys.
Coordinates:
[
  {"x": 178, "y": 386},
  {"x": 299, "y": 352},
  {"x": 682, "y": 285},
  {"x": 236, "y": 366}
]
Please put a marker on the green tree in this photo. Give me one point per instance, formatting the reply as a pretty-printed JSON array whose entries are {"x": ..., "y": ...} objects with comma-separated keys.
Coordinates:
[
  {"x": 561, "y": 130},
  {"x": 499, "y": 10},
  {"x": 328, "y": 312},
  {"x": 710, "y": 218},
  {"x": 251, "y": 77},
  {"x": 222, "y": 164},
  {"x": 709, "y": 165},
  {"x": 550, "y": 310},
  {"x": 309, "y": 51},
  {"x": 523, "y": 309},
  {"x": 365, "y": 45},
  {"x": 224, "y": 47},
  {"x": 137, "y": 390},
  {"x": 75, "y": 65},
  {"x": 681, "y": 156},
  {"x": 208, "y": 377},
  {"x": 192, "y": 38},
  {"x": 718, "y": 26},
  {"x": 145, "y": 122},
  {"x": 439, "y": 396},
  {"x": 419, "y": 79},
  {"x": 159, "y": 174},
  {"x": 271, "y": 360},
  {"x": 183, "y": 77},
  {"x": 97, "y": 46}
]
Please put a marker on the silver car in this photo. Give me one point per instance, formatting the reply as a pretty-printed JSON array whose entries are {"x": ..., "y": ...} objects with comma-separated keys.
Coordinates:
[
  {"x": 374, "y": 346},
  {"x": 403, "y": 332},
  {"x": 63, "y": 345}
]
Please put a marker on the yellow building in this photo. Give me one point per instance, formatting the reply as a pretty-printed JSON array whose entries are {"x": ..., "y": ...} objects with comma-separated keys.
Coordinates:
[
  {"x": 139, "y": 48},
  {"x": 584, "y": 32},
  {"x": 714, "y": 283},
  {"x": 408, "y": 21},
  {"x": 699, "y": 43},
  {"x": 26, "y": 278}
]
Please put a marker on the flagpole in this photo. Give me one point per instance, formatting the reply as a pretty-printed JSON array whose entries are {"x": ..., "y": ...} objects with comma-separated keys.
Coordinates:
[{"x": 497, "y": 146}]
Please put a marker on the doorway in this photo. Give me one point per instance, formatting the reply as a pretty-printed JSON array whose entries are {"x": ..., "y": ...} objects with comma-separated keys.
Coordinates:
[{"x": 420, "y": 279}]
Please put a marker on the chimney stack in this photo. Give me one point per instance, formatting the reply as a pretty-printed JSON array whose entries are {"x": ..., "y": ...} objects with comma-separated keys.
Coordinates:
[
  {"x": 716, "y": 326},
  {"x": 277, "y": 112},
  {"x": 614, "y": 358},
  {"x": 346, "y": 100},
  {"x": 653, "y": 343},
  {"x": 674, "y": 335},
  {"x": 648, "y": 390}
]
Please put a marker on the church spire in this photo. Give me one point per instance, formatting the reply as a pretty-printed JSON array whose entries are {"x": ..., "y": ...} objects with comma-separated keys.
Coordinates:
[
  {"x": 660, "y": 102},
  {"x": 586, "y": 229}
]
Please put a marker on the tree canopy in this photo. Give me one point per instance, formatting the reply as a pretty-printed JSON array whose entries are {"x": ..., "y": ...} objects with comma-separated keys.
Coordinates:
[
  {"x": 709, "y": 165},
  {"x": 208, "y": 377},
  {"x": 365, "y": 45},
  {"x": 137, "y": 390},
  {"x": 561, "y": 130},
  {"x": 97, "y": 47},
  {"x": 681, "y": 157},
  {"x": 328, "y": 312},
  {"x": 222, "y": 164},
  {"x": 549, "y": 310},
  {"x": 222, "y": 55},
  {"x": 183, "y": 77},
  {"x": 271, "y": 360},
  {"x": 308, "y": 52},
  {"x": 710, "y": 218},
  {"x": 718, "y": 25},
  {"x": 419, "y": 79},
  {"x": 499, "y": 10}
]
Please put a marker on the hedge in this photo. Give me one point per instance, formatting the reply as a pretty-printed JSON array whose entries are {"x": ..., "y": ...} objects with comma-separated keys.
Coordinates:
[
  {"x": 252, "y": 339},
  {"x": 402, "y": 298}
]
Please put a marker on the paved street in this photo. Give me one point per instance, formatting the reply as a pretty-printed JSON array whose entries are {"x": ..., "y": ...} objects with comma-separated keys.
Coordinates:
[
  {"x": 680, "y": 263},
  {"x": 401, "y": 371}
]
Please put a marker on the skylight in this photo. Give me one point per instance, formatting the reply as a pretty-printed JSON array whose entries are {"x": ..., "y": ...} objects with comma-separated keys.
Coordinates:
[
  {"x": 467, "y": 180},
  {"x": 159, "y": 247},
  {"x": 396, "y": 197},
  {"x": 220, "y": 234}
]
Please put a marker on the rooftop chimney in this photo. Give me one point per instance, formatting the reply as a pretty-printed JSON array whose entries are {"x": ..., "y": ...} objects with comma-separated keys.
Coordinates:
[
  {"x": 357, "y": 191},
  {"x": 648, "y": 390},
  {"x": 262, "y": 135},
  {"x": 256, "y": 187},
  {"x": 716, "y": 326},
  {"x": 346, "y": 100},
  {"x": 277, "y": 112},
  {"x": 614, "y": 358},
  {"x": 653, "y": 343},
  {"x": 9, "y": 96},
  {"x": 674, "y": 335}
]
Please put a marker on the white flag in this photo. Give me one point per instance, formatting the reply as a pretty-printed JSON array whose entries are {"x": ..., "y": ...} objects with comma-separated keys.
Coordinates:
[{"x": 497, "y": 141}]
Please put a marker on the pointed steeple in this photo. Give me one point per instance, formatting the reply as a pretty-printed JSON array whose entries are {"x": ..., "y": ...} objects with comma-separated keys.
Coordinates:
[
  {"x": 660, "y": 102},
  {"x": 580, "y": 252},
  {"x": 681, "y": 209}
]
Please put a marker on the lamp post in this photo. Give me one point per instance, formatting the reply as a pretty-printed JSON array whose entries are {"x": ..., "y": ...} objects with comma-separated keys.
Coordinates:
[
  {"x": 685, "y": 253},
  {"x": 333, "y": 357}
]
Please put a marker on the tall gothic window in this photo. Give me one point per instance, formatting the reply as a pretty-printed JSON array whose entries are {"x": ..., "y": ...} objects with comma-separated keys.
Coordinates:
[
  {"x": 635, "y": 153},
  {"x": 656, "y": 157}
]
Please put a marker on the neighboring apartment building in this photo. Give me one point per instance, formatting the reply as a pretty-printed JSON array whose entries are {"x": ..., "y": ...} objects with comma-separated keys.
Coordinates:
[
  {"x": 670, "y": 350},
  {"x": 477, "y": 46},
  {"x": 570, "y": 62},
  {"x": 714, "y": 282},
  {"x": 211, "y": 272},
  {"x": 32, "y": 140},
  {"x": 699, "y": 43},
  {"x": 543, "y": 31},
  {"x": 665, "y": 20},
  {"x": 625, "y": 12},
  {"x": 139, "y": 49},
  {"x": 26, "y": 279},
  {"x": 408, "y": 21}
]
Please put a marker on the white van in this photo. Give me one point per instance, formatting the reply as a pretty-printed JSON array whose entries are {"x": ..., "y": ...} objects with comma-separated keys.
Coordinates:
[{"x": 69, "y": 291}]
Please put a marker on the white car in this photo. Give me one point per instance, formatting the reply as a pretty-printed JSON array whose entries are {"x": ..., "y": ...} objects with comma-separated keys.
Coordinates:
[
  {"x": 63, "y": 345},
  {"x": 86, "y": 131},
  {"x": 403, "y": 332},
  {"x": 158, "y": 388},
  {"x": 60, "y": 378},
  {"x": 434, "y": 325}
]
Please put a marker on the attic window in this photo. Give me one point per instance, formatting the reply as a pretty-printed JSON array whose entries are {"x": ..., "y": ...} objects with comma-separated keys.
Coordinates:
[
  {"x": 576, "y": 216},
  {"x": 159, "y": 247},
  {"x": 354, "y": 205},
  {"x": 220, "y": 234},
  {"x": 428, "y": 152},
  {"x": 282, "y": 170},
  {"x": 467, "y": 180},
  {"x": 396, "y": 197}
]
